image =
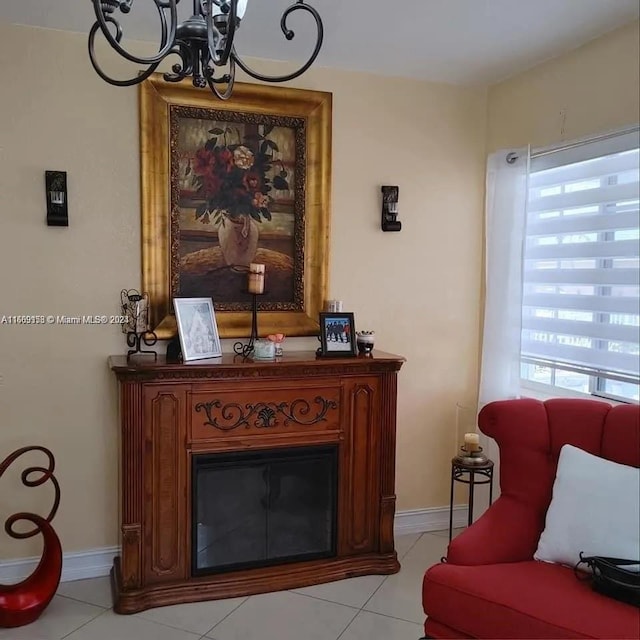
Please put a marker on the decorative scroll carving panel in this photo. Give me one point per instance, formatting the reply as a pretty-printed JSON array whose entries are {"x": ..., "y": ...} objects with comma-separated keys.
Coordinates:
[{"x": 282, "y": 410}]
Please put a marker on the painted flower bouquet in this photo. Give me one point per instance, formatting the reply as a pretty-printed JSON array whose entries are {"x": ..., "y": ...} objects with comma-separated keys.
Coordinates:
[{"x": 232, "y": 179}]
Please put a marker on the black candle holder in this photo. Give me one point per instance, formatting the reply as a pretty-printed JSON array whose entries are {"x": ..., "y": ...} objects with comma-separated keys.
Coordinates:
[
  {"x": 246, "y": 349},
  {"x": 135, "y": 309},
  {"x": 135, "y": 341}
]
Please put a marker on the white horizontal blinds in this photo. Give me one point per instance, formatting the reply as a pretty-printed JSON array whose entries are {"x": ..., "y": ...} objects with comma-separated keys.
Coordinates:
[{"x": 581, "y": 304}]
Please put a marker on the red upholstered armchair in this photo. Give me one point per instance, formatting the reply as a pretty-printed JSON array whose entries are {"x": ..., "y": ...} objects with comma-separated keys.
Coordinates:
[{"x": 490, "y": 586}]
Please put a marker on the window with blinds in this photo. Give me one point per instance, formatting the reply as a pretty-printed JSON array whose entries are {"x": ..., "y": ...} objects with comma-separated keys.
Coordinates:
[{"x": 581, "y": 302}]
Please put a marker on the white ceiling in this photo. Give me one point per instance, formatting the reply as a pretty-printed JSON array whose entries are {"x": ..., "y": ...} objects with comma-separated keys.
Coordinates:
[{"x": 470, "y": 42}]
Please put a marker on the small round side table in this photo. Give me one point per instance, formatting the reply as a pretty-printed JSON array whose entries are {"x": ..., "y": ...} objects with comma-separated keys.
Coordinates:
[{"x": 466, "y": 473}]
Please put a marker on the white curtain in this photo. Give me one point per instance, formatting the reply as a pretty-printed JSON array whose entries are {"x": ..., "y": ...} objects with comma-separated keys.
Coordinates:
[{"x": 505, "y": 225}]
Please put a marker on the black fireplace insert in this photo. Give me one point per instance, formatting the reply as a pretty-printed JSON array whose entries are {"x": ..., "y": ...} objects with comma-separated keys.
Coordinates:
[{"x": 259, "y": 508}]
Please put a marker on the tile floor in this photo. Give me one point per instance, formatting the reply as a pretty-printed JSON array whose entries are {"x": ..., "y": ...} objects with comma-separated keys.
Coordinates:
[{"x": 366, "y": 608}]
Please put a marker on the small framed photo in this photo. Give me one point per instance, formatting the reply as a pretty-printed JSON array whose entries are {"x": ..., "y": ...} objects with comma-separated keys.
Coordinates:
[
  {"x": 337, "y": 334},
  {"x": 197, "y": 328}
]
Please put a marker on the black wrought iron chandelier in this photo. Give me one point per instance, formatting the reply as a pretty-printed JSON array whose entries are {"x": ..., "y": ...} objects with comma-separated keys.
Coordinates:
[{"x": 203, "y": 43}]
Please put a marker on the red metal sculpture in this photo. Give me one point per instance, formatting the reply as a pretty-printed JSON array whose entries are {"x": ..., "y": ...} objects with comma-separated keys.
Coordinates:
[{"x": 23, "y": 603}]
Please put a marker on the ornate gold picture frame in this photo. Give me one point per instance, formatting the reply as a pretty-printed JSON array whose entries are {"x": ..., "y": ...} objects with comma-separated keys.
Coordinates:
[{"x": 228, "y": 183}]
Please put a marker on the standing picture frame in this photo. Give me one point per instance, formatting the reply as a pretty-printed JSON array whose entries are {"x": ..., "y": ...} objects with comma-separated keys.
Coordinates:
[
  {"x": 337, "y": 335},
  {"x": 197, "y": 328},
  {"x": 230, "y": 183}
]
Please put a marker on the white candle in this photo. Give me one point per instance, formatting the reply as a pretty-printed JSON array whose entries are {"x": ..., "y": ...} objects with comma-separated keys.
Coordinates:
[
  {"x": 256, "y": 278},
  {"x": 471, "y": 441}
]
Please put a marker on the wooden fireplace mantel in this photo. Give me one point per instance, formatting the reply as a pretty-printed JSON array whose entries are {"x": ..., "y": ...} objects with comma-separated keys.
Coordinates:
[{"x": 170, "y": 412}]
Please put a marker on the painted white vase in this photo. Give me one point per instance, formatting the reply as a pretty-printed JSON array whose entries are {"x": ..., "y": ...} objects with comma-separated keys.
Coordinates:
[{"x": 238, "y": 240}]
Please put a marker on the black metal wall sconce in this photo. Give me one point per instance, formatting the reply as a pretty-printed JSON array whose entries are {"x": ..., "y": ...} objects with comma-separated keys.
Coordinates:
[
  {"x": 56, "y": 185},
  {"x": 390, "y": 209}
]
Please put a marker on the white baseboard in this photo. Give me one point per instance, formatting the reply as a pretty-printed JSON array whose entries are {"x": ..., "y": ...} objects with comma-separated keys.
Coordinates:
[
  {"x": 433, "y": 519},
  {"x": 92, "y": 563},
  {"x": 95, "y": 563}
]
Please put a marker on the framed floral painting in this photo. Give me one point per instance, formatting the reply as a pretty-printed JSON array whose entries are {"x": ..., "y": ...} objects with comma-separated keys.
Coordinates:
[{"x": 230, "y": 183}]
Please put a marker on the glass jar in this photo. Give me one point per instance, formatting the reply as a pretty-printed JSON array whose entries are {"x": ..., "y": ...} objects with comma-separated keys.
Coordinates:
[{"x": 264, "y": 350}]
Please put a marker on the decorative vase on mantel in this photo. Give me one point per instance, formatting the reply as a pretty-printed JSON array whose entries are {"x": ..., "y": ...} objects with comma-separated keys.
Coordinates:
[
  {"x": 238, "y": 238},
  {"x": 365, "y": 341}
]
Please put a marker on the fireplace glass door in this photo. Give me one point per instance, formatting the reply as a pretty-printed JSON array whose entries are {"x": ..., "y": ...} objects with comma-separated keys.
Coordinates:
[{"x": 261, "y": 508}]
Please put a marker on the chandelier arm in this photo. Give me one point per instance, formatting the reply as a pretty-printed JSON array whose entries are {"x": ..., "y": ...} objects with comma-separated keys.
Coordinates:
[
  {"x": 289, "y": 35},
  {"x": 166, "y": 43},
  {"x": 181, "y": 71},
  {"x": 232, "y": 22},
  {"x": 229, "y": 78},
  {"x": 143, "y": 75}
]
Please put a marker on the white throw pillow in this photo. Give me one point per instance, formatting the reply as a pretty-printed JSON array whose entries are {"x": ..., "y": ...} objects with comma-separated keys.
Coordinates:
[{"x": 595, "y": 509}]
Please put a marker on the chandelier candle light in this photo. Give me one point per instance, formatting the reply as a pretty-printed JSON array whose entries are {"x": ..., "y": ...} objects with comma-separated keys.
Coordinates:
[{"x": 203, "y": 43}]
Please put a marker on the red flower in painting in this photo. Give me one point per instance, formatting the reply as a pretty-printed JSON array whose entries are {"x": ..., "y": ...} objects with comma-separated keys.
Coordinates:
[
  {"x": 211, "y": 184},
  {"x": 226, "y": 159},
  {"x": 260, "y": 201},
  {"x": 252, "y": 181},
  {"x": 204, "y": 162}
]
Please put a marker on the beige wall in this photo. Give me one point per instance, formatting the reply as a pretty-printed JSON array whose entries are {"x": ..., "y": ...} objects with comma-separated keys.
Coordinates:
[
  {"x": 590, "y": 90},
  {"x": 418, "y": 289}
]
